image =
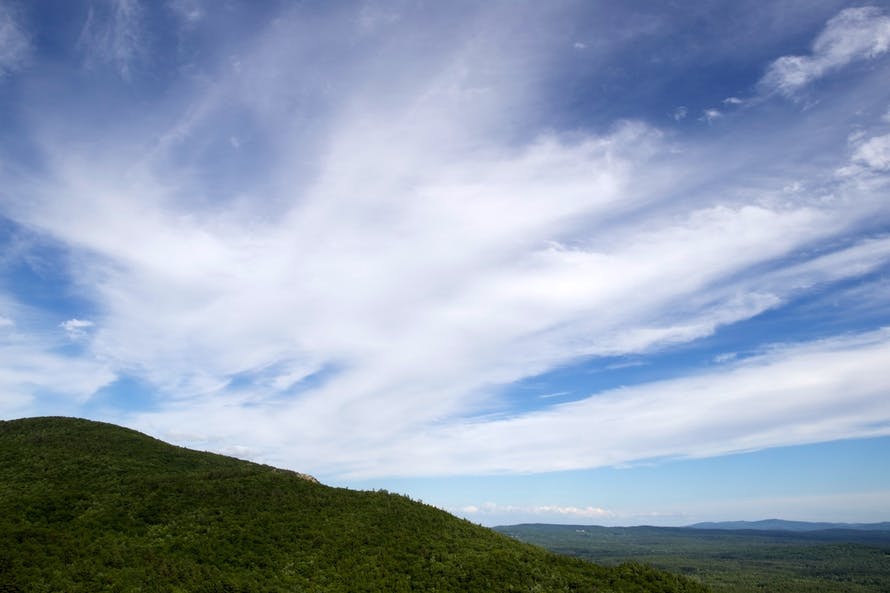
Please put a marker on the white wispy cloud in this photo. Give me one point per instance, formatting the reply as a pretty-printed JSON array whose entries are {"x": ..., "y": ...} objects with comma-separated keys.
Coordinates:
[
  {"x": 854, "y": 34},
  {"x": 36, "y": 377},
  {"x": 790, "y": 395},
  {"x": 190, "y": 12},
  {"x": 571, "y": 511},
  {"x": 31, "y": 370},
  {"x": 76, "y": 328},
  {"x": 625, "y": 365},
  {"x": 409, "y": 250},
  {"x": 874, "y": 153},
  {"x": 113, "y": 34},
  {"x": 551, "y": 511},
  {"x": 709, "y": 115},
  {"x": 554, "y": 394},
  {"x": 15, "y": 45}
]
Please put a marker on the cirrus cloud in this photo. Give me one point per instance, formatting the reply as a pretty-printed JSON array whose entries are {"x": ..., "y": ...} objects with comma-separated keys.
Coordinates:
[
  {"x": 15, "y": 45},
  {"x": 854, "y": 34},
  {"x": 394, "y": 240}
]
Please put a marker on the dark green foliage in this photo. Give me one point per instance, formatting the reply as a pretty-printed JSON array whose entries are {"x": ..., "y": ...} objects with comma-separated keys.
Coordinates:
[
  {"x": 744, "y": 561},
  {"x": 88, "y": 507}
]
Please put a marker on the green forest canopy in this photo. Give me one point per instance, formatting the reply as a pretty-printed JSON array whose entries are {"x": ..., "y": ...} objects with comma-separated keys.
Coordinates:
[{"x": 87, "y": 506}]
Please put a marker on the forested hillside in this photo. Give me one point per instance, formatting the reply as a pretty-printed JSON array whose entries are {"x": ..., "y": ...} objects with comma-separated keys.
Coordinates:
[{"x": 86, "y": 507}]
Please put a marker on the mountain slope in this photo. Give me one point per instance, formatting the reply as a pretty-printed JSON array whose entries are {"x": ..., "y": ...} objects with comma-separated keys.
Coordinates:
[{"x": 86, "y": 506}]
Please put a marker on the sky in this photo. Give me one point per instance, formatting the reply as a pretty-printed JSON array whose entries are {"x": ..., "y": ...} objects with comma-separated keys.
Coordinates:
[{"x": 568, "y": 262}]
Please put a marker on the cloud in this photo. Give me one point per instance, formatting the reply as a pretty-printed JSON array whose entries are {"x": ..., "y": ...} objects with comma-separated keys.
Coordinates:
[
  {"x": 32, "y": 375},
  {"x": 680, "y": 113},
  {"x": 629, "y": 364},
  {"x": 351, "y": 291},
  {"x": 792, "y": 394},
  {"x": 76, "y": 328},
  {"x": 570, "y": 511},
  {"x": 874, "y": 153},
  {"x": 189, "y": 12},
  {"x": 543, "y": 511},
  {"x": 514, "y": 253},
  {"x": 554, "y": 394},
  {"x": 112, "y": 34},
  {"x": 725, "y": 357},
  {"x": 36, "y": 377},
  {"x": 15, "y": 45},
  {"x": 709, "y": 115},
  {"x": 870, "y": 157},
  {"x": 499, "y": 309},
  {"x": 854, "y": 34}
]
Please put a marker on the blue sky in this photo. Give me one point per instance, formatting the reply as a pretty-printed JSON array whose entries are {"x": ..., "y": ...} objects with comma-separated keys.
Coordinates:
[{"x": 583, "y": 262}]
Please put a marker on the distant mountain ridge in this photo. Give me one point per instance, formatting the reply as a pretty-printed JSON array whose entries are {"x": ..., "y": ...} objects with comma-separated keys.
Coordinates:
[{"x": 783, "y": 525}]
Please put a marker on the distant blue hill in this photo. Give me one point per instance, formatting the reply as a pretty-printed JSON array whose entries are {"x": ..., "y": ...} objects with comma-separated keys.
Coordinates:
[{"x": 781, "y": 525}]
